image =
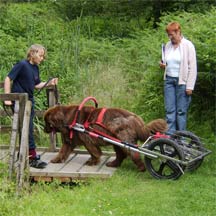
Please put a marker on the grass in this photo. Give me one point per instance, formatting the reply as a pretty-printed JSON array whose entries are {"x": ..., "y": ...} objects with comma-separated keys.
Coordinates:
[{"x": 127, "y": 192}]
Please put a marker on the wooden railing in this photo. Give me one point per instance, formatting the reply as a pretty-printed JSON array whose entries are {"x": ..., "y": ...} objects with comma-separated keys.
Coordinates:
[
  {"x": 20, "y": 130},
  {"x": 51, "y": 101}
]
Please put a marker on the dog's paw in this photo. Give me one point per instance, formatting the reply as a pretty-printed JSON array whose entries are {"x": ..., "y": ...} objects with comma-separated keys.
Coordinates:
[
  {"x": 113, "y": 163},
  {"x": 91, "y": 162},
  {"x": 57, "y": 160}
]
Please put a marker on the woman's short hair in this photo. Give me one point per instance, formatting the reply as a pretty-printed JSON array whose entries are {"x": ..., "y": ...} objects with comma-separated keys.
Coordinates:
[
  {"x": 173, "y": 26},
  {"x": 33, "y": 50}
]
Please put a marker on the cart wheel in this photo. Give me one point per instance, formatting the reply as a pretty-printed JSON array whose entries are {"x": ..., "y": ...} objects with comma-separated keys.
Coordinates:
[
  {"x": 191, "y": 141},
  {"x": 162, "y": 168}
]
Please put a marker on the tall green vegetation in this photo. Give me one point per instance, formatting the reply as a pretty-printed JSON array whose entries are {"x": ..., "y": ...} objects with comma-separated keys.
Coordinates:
[{"x": 111, "y": 50}]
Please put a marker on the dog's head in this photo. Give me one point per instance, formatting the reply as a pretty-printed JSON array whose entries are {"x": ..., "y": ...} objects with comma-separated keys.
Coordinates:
[
  {"x": 58, "y": 118},
  {"x": 54, "y": 119}
]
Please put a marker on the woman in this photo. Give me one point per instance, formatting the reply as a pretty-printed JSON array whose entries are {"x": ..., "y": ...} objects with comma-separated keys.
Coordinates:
[{"x": 179, "y": 78}]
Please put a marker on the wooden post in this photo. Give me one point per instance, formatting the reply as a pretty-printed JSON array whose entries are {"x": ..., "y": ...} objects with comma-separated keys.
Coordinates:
[
  {"x": 51, "y": 100},
  {"x": 22, "y": 99},
  {"x": 24, "y": 147},
  {"x": 14, "y": 133}
]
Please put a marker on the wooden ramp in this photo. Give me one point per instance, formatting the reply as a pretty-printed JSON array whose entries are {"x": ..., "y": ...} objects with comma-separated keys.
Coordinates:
[{"x": 73, "y": 169}]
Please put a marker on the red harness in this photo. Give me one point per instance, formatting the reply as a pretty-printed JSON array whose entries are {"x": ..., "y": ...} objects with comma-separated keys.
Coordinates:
[
  {"x": 92, "y": 131},
  {"x": 87, "y": 123},
  {"x": 98, "y": 121}
]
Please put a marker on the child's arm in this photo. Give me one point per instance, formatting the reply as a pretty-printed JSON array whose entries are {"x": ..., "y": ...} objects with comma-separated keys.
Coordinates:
[
  {"x": 53, "y": 81},
  {"x": 7, "y": 89}
]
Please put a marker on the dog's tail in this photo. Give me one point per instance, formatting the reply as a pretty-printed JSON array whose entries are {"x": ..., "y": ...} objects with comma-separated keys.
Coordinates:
[
  {"x": 145, "y": 130},
  {"x": 158, "y": 125}
]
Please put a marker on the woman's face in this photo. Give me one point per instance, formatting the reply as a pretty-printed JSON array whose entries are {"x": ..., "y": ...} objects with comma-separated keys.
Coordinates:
[{"x": 174, "y": 36}]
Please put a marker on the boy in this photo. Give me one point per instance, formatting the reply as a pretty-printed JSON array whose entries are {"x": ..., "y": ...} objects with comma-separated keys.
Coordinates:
[{"x": 25, "y": 76}]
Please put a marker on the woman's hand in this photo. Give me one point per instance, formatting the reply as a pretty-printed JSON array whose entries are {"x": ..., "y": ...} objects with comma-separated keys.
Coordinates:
[
  {"x": 189, "y": 92},
  {"x": 162, "y": 65}
]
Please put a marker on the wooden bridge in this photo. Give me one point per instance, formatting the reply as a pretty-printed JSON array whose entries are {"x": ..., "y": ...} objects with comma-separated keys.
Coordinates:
[{"x": 74, "y": 168}]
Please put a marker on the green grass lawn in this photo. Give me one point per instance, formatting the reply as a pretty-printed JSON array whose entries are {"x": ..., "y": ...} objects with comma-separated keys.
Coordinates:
[{"x": 127, "y": 192}]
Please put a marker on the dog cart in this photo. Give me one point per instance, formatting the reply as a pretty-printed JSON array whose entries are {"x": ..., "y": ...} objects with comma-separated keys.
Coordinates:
[{"x": 165, "y": 156}]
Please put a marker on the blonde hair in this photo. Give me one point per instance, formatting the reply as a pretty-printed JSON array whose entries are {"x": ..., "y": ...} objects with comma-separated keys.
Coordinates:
[{"x": 33, "y": 50}]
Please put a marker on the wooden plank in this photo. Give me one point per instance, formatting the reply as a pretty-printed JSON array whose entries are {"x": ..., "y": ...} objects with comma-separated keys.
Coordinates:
[
  {"x": 76, "y": 163},
  {"x": 88, "y": 175},
  {"x": 5, "y": 128},
  {"x": 95, "y": 168},
  {"x": 14, "y": 135},
  {"x": 24, "y": 148},
  {"x": 41, "y": 178},
  {"x": 47, "y": 156},
  {"x": 67, "y": 169},
  {"x": 51, "y": 100},
  {"x": 4, "y": 147},
  {"x": 14, "y": 96},
  {"x": 51, "y": 167},
  {"x": 38, "y": 113},
  {"x": 71, "y": 175},
  {"x": 50, "y": 179}
]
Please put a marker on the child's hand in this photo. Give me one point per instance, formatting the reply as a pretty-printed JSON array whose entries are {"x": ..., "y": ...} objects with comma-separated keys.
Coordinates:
[
  {"x": 8, "y": 103},
  {"x": 53, "y": 81}
]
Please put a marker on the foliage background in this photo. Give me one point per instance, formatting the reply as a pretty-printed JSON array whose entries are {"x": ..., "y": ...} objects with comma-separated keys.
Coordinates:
[{"x": 111, "y": 49}]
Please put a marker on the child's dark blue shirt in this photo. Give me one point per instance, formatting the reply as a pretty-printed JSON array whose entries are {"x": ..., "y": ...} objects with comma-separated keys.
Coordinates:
[{"x": 25, "y": 76}]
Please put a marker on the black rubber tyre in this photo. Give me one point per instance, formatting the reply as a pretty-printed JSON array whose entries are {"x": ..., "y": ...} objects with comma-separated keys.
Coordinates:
[
  {"x": 162, "y": 168},
  {"x": 190, "y": 140}
]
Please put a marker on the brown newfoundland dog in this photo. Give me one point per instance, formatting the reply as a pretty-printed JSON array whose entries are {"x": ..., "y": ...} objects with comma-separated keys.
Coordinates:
[{"x": 117, "y": 123}]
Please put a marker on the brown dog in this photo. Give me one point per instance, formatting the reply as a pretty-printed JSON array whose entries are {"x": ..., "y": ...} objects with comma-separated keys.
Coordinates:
[{"x": 118, "y": 123}]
